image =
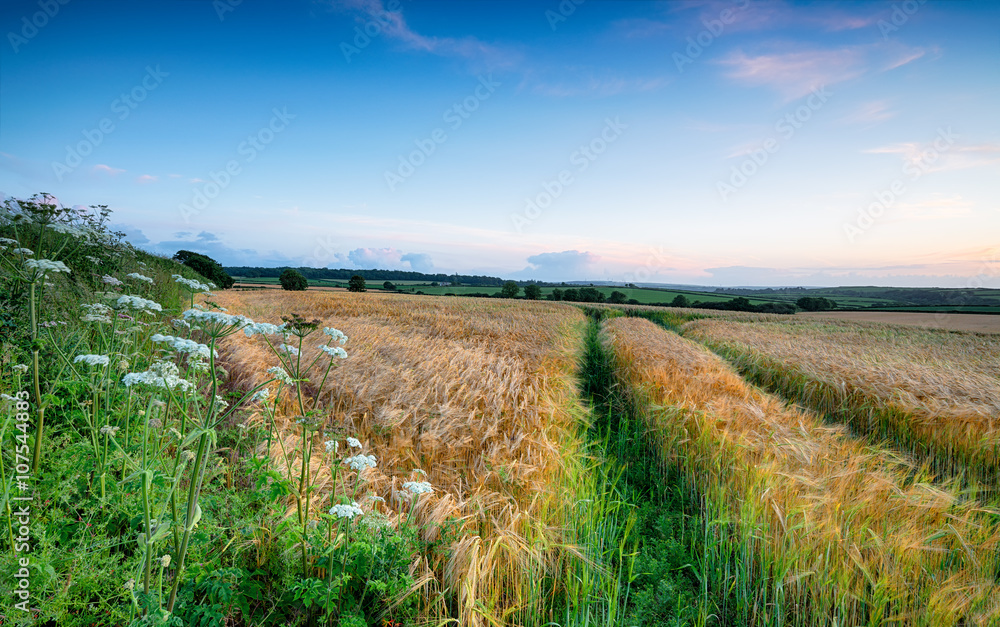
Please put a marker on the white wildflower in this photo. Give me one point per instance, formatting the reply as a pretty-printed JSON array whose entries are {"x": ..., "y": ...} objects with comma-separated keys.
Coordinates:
[
  {"x": 332, "y": 446},
  {"x": 92, "y": 360},
  {"x": 110, "y": 280},
  {"x": 162, "y": 374},
  {"x": 182, "y": 345},
  {"x": 335, "y": 334},
  {"x": 361, "y": 462},
  {"x": 94, "y": 260},
  {"x": 418, "y": 487},
  {"x": 46, "y": 265},
  {"x": 287, "y": 348},
  {"x": 109, "y": 430},
  {"x": 334, "y": 351},
  {"x": 191, "y": 284},
  {"x": 353, "y": 442},
  {"x": 346, "y": 511},
  {"x": 130, "y": 584},
  {"x": 261, "y": 395},
  {"x": 98, "y": 312},
  {"x": 139, "y": 277},
  {"x": 280, "y": 374},
  {"x": 263, "y": 328},
  {"x": 180, "y": 324},
  {"x": 20, "y": 368},
  {"x": 23, "y": 251},
  {"x": 165, "y": 561},
  {"x": 135, "y": 302}
]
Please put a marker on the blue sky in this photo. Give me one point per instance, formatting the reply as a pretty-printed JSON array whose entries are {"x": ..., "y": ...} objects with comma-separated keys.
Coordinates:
[{"x": 719, "y": 143}]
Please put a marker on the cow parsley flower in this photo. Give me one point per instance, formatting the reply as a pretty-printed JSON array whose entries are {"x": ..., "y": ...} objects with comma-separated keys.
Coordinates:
[
  {"x": 280, "y": 374},
  {"x": 353, "y": 442},
  {"x": 165, "y": 561},
  {"x": 92, "y": 360},
  {"x": 361, "y": 462},
  {"x": 261, "y": 395},
  {"x": 44, "y": 266},
  {"x": 162, "y": 374},
  {"x": 20, "y": 368},
  {"x": 332, "y": 446},
  {"x": 27, "y": 252},
  {"x": 94, "y": 260},
  {"x": 335, "y": 334},
  {"x": 335, "y": 351},
  {"x": 191, "y": 284},
  {"x": 109, "y": 430},
  {"x": 98, "y": 312},
  {"x": 417, "y": 488},
  {"x": 263, "y": 328},
  {"x": 287, "y": 348},
  {"x": 110, "y": 280},
  {"x": 135, "y": 302},
  {"x": 139, "y": 277},
  {"x": 346, "y": 511},
  {"x": 182, "y": 345}
]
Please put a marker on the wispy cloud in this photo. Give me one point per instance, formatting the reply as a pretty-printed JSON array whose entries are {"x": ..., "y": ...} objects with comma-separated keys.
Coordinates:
[
  {"x": 869, "y": 114},
  {"x": 480, "y": 55},
  {"x": 101, "y": 168},
  {"x": 931, "y": 158},
  {"x": 795, "y": 73},
  {"x": 145, "y": 179}
]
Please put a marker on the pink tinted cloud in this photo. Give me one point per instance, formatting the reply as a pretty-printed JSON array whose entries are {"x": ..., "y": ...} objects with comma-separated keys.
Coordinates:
[
  {"x": 106, "y": 169},
  {"x": 146, "y": 178}
]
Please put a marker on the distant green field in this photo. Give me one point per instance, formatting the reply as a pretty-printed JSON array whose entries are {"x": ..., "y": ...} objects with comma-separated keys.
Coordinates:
[
  {"x": 944, "y": 308},
  {"x": 645, "y": 296}
]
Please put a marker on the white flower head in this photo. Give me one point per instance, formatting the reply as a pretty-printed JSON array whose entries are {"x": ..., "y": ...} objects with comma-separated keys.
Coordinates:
[
  {"x": 110, "y": 280},
  {"x": 20, "y": 368},
  {"x": 98, "y": 312},
  {"x": 280, "y": 374},
  {"x": 346, "y": 511},
  {"x": 261, "y": 395},
  {"x": 361, "y": 462},
  {"x": 288, "y": 348},
  {"x": 418, "y": 487},
  {"x": 109, "y": 430},
  {"x": 134, "y": 302},
  {"x": 334, "y": 351},
  {"x": 162, "y": 374},
  {"x": 92, "y": 360},
  {"x": 165, "y": 561},
  {"x": 335, "y": 334},
  {"x": 44, "y": 266},
  {"x": 353, "y": 442},
  {"x": 139, "y": 277},
  {"x": 332, "y": 446}
]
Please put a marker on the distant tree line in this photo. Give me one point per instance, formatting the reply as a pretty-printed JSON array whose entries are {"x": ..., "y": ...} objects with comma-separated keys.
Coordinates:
[
  {"x": 206, "y": 267},
  {"x": 342, "y": 274}
]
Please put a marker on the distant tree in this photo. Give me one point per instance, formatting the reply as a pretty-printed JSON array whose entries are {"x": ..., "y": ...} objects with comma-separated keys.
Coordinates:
[
  {"x": 388, "y": 285},
  {"x": 556, "y": 294},
  {"x": 680, "y": 301},
  {"x": 572, "y": 295},
  {"x": 206, "y": 267},
  {"x": 617, "y": 298},
  {"x": 590, "y": 295},
  {"x": 435, "y": 284},
  {"x": 633, "y": 301},
  {"x": 356, "y": 284},
  {"x": 509, "y": 290},
  {"x": 810, "y": 303},
  {"x": 532, "y": 291},
  {"x": 292, "y": 279}
]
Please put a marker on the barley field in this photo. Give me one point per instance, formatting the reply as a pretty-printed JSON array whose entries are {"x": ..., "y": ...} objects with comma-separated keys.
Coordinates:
[
  {"x": 195, "y": 456},
  {"x": 934, "y": 393},
  {"x": 813, "y": 527}
]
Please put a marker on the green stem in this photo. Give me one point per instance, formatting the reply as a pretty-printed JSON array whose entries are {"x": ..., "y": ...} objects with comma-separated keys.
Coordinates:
[
  {"x": 37, "y": 458},
  {"x": 197, "y": 472}
]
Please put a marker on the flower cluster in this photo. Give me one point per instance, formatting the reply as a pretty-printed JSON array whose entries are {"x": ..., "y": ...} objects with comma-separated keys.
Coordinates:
[
  {"x": 263, "y": 328},
  {"x": 92, "y": 360},
  {"x": 161, "y": 374},
  {"x": 135, "y": 302},
  {"x": 287, "y": 348},
  {"x": 280, "y": 374},
  {"x": 334, "y": 351},
  {"x": 98, "y": 312},
  {"x": 139, "y": 277},
  {"x": 361, "y": 462},
  {"x": 354, "y": 442},
  {"x": 215, "y": 319},
  {"x": 109, "y": 430},
  {"x": 191, "y": 284},
  {"x": 110, "y": 280},
  {"x": 45, "y": 265},
  {"x": 417, "y": 487},
  {"x": 346, "y": 511},
  {"x": 335, "y": 334},
  {"x": 262, "y": 395},
  {"x": 182, "y": 345}
]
